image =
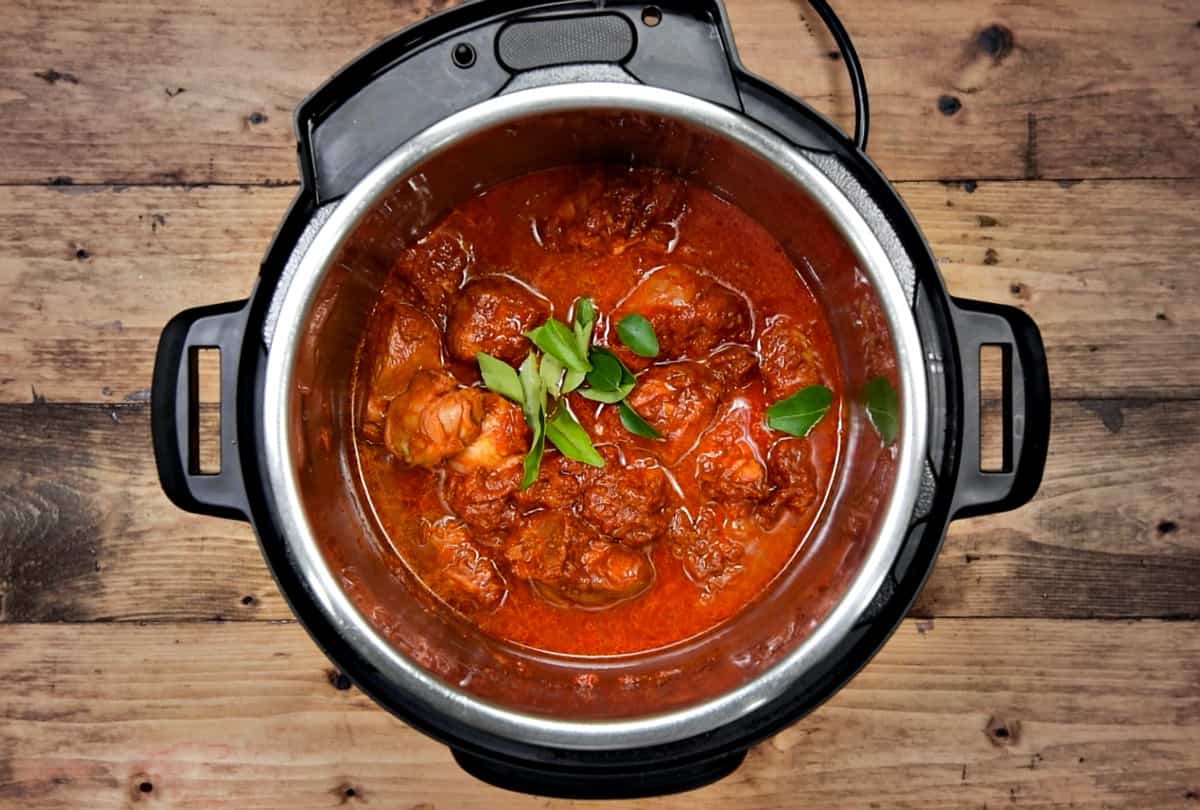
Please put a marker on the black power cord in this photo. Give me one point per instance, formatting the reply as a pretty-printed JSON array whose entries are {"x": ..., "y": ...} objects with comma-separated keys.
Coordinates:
[{"x": 858, "y": 82}]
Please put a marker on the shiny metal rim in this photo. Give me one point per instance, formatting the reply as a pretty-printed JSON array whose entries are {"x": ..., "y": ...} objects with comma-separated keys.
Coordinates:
[{"x": 281, "y": 477}]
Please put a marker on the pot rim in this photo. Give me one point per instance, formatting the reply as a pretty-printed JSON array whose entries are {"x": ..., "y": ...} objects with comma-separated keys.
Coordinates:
[{"x": 281, "y": 476}]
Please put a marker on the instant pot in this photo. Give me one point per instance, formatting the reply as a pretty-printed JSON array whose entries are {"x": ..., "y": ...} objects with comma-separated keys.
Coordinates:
[{"x": 494, "y": 89}]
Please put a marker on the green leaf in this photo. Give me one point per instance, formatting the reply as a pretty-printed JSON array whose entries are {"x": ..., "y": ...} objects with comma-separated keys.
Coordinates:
[
  {"x": 533, "y": 459},
  {"x": 533, "y": 390},
  {"x": 607, "y": 397},
  {"x": 585, "y": 322},
  {"x": 798, "y": 413},
  {"x": 572, "y": 380},
  {"x": 637, "y": 334},
  {"x": 883, "y": 408},
  {"x": 500, "y": 377},
  {"x": 555, "y": 339},
  {"x": 634, "y": 423},
  {"x": 607, "y": 370},
  {"x": 582, "y": 327},
  {"x": 571, "y": 439},
  {"x": 552, "y": 374},
  {"x": 534, "y": 407}
]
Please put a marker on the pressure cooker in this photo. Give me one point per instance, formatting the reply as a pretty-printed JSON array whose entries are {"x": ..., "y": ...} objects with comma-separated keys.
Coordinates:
[{"x": 491, "y": 90}]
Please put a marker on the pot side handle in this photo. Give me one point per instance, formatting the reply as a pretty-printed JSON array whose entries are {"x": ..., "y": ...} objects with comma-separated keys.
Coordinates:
[
  {"x": 564, "y": 782},
  {"x": 1026, "y": 408},
  {"x": 175, "y": 410}
]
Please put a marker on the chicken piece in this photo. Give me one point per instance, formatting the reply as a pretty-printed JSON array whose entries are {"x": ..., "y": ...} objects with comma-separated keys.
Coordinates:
[
  {"x": 787, "y": 358},
  {"x": 730, "y": 462},
  {"x": 559, "y": 484},
  {"x": 400, "y": 341},
  {"x": 678, "y": 400},
  {"x": 483, "y": 497},
  {"x": 433, "y": 269},
  {"x": 712, "y": 545},
  {"x": 568, "y": 562},
  {"x": 434, "y": 419},
  {"x": 692, "y": 314},
  {"x": 503, "y": 435},
  {"x": 627, "y": 499},
  {"x": 613, "y": 209},
  {"x": 492, "y": 314},
  {"x": 794, "y": 477},
  {"x": 733, "y": 365},
  {"x": 463, "y": 577}
]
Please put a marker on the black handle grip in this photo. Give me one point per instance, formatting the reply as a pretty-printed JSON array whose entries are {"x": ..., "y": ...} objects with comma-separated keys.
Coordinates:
[
  {"x": 564, "y": 782},
  {"x": 1026, "y": 412},
  {"x": 174, "y": 409}
]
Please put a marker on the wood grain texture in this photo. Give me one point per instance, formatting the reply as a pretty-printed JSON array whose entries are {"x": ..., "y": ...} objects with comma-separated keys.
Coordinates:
[
  {"x": 203, "y": 91},
  {"x": 951, "y": 714},
  {"x": 86, "y": 534},
  {"x": 89, "y": 278}
]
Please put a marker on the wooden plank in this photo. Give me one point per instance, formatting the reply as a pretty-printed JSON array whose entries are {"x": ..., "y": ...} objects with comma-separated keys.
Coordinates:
[
  {"x": 1104, "y": 267},
  {"x": 86, "y": 535},
  {"x": 201, "y": 91},
  {"x": 952, "y": 714},
  {"x": 999, "y": 89},
  {"x": 89, "y": 277}
]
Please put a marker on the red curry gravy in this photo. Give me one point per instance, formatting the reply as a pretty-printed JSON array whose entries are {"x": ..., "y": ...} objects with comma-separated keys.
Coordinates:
[{"x": 672, "y": 536}]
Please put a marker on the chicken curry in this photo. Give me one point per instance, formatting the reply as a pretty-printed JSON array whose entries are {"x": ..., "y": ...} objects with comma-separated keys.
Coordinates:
[{"x": 597, "y": 410}]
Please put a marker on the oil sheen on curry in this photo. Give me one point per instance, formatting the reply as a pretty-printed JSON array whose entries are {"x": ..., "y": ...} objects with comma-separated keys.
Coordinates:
[{"x": 597, "y": 410}]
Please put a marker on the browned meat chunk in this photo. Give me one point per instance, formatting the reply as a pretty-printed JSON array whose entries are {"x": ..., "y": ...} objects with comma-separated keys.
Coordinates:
[
  {"x": 433, "y": 419},
  {"x": 503, "y": 434},
  {"x": 733, "y": 365},
  {"x": 567, "y": 561},
  {"x": 788, "y": 360},
  {"x": 467, "y": 580},
  {"x": 492, "y": 315},
  {"x": 729, "y": 458},
  {"x": 401, "y": 342},
  {"x": 483, "y": 497},
  {"x": 559, "y": 484},
  {"x": 627, "y": 500},
  {"x": 678, "y": 400},
  {"x": 482, "y": 479},
  {"x": 434, "y": 269},
  {"x": 691, "y": 313},
  {"x": 793, "y": 475},
  {"x": 711, "y": 546},
  {"x": 611, "y": 210}
]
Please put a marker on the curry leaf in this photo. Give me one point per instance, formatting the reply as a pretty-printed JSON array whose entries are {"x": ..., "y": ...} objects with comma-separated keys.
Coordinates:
[
  {"x": 801, "y": 411},
  {"x": 607, "y": 371},
  {"x": 555, "y": 339},
  {"x": 572, "y": 380},
  {"x": 637, "y": 334},
  {"x": 533, "y": 404},
  {"x": 634, "y": 423},
  {"x": 584, "y": 323},
  {"x": 552, "y": 375},
  {"x": 607, "y": 397},
  {"x": 500, "y": 377},
  {"x": 582, "y": 327},
  {"x": 533, "y": 459},
  {"x": 534, "y": 391},
  {"x": 883, "y": 408},
  {"x": 571, "y": 439}
]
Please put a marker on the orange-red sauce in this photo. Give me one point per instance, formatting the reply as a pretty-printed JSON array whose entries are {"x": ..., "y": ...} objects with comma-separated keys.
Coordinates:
[{"x": 505, "y": 231}]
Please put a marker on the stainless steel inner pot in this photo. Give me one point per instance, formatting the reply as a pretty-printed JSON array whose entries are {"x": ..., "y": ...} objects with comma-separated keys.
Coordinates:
[{"x": 432, "y": 654}]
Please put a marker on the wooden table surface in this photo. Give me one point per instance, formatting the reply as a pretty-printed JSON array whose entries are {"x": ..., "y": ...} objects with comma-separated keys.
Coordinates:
[{"x": 1051, "y": 152}]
